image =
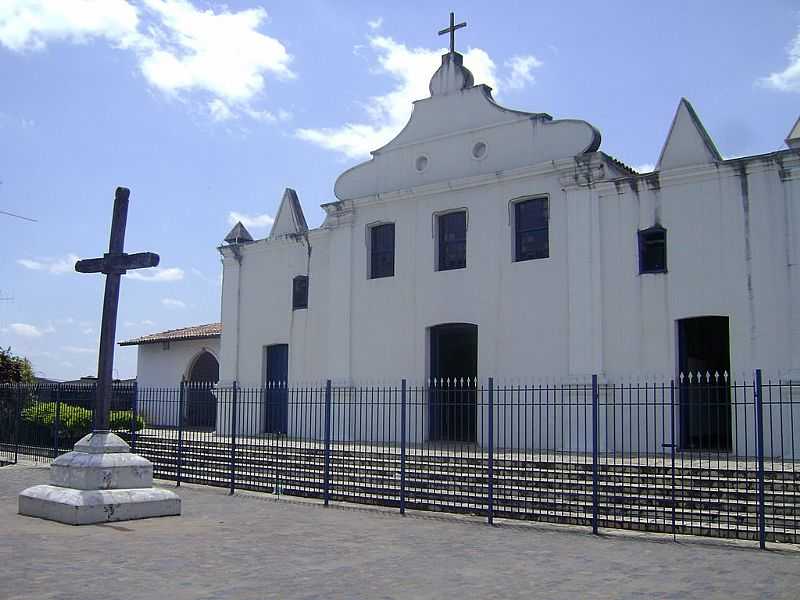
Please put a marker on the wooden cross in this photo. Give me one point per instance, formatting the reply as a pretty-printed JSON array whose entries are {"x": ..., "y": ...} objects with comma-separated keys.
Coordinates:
[
  {"x": 452, "y": 31},
  {"x": 113, "y": 264}
]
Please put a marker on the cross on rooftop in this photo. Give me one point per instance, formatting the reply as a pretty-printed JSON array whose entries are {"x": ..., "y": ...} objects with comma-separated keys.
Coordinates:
[
  {"x": 113, "y": 265},
  {"x": 452, "y": 31}
]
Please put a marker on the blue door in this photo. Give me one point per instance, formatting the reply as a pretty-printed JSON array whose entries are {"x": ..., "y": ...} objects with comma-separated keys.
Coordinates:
[{"x": 276, "y": 394}]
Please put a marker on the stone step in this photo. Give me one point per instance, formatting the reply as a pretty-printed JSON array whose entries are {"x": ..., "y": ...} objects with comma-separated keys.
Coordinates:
[
  {"x": 699, "y": 485},
  {"x": 685, "y": 479},
  {"x": 478, "y": 494},
  {"x": 640, "y": 464},
  {"x": 518, "y": 485},
  {"x": 534, "y": 510}
]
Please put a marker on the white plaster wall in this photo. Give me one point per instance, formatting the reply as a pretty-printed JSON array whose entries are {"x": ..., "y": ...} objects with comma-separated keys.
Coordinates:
[
  {"x": 584, "y": 309},
  {"x": 159, "y": 373},
  {"x": 711, "y": 227}
]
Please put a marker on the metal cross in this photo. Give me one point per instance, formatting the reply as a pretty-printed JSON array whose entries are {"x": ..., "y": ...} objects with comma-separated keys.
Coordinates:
[
  {"x": 113, "y": 264},
  {"x": 452, "y": 31}
]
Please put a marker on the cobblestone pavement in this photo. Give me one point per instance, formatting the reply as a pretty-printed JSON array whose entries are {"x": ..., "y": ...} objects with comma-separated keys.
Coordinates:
[{"x": 250, "y": 546}]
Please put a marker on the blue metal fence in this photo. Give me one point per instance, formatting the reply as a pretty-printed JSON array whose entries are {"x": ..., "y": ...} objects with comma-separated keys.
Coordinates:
[{"x": 703, "y": 455}]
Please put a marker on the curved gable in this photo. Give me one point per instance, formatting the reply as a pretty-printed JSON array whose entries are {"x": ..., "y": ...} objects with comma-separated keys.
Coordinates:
[{"x": 439, "y": 142}]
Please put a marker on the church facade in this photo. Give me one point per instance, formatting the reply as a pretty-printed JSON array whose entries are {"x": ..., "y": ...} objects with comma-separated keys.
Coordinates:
[
  {"x": 483, "y": 241},
  {"x": 487, "y": 242}
]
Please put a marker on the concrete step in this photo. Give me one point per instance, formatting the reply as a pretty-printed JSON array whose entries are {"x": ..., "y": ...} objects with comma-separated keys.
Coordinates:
[
  {"x": 528, "y": 497},
  {"x": 720, "y": 499},
  {"x": 684, "y": 484},
  {"x": 558, "y": 509},
  {"x": 639, "y": 465}
]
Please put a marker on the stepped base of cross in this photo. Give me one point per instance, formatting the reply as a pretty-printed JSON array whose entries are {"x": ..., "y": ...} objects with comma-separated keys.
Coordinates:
[{"x": 99, "y": 481}]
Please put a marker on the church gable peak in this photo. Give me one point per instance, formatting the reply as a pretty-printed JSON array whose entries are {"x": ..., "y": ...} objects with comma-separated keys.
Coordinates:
[
  {"x": 793, "y": 139},
  {"x": 688, "y": 142},
  {"x": 460, "y": 131},
  {"x": 238, "y": 235},
  {"x": 290, "y": 218}
]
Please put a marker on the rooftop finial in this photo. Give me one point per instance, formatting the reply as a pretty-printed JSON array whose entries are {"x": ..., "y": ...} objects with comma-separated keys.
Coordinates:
[{"x": 452, "y": 31}]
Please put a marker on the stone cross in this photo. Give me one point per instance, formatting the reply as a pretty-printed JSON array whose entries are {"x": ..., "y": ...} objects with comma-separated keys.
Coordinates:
[
  {"x": 452, "y": 31},
  {"x": 113, "y": 264}
]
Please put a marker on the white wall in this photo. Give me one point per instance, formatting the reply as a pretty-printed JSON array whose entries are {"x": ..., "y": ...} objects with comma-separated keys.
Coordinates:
[
  {"x": 732, "y": 239},
  {"x": 158, "y": 376}
]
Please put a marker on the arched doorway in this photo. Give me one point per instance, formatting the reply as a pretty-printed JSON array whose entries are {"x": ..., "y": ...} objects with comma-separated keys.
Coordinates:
[{"x": 201, "y": 404}]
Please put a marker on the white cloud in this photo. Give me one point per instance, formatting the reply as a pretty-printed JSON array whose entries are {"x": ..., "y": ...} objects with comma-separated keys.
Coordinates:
[
  {"x": 173, "y": 303},
  {"x": 157, "y": 274},
  {"x": 223, "y": 52},
  {"x": 56, "y": 266},
  {"x": 645, "y": 168},
  {"x": 31, "y": 24},
  {"x": 180, "y": 48},
  {"x": 26, "y": 330},
  {"x": 787, "y": 80},
  {"x": 78, "y": 350},
  {"x": 253, "y": 221},
  {"x": 200, "y": 275},
  {"x": 375, "y": 23},
  {"x": 145, "y": 322},
  {"x": 411, "y": 69},
  {"x": 87, "y": 331},
  {"x": 521, "y": 67},
  {"x": 219, "y": 110}
]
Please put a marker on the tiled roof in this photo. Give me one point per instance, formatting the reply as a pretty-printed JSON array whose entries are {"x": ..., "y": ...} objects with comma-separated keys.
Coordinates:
[
  {"x": 627, "y": 168},
  {"x": 195, "y": 332}
]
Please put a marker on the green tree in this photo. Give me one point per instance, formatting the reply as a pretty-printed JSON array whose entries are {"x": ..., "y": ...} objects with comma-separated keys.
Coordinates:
[{"x": 15, "y": 369}]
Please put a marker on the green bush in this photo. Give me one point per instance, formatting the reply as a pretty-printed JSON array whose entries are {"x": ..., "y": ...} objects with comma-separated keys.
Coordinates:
[{"x": 76, "y": 421}]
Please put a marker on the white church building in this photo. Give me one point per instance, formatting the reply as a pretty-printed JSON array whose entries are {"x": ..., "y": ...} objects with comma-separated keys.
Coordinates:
[{"x": 483, "y": 241}]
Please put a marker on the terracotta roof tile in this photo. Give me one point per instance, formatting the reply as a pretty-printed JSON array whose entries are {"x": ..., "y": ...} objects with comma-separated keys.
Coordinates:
[{"x": 195, "y": 332}]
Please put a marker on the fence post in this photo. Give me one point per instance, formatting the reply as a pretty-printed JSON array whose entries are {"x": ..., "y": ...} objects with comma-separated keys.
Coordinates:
[
  {"x": 134, "y": 415},
  {"x": 179, "y": 464},
  {"x": 595, "y": 401},
  {"x": 762, "y": 529},
  {"x": 672, "y": 447},
  {"x": 94, "y": 403},
  {"x": 403, "y": 447},
  {"x": 234, "y": 427},
  {"x": 490, "y": 464},
  {"x": 56, "y": 420},
  {"x": 17, "y": 419},
  {"x": 327, "y": 465}
]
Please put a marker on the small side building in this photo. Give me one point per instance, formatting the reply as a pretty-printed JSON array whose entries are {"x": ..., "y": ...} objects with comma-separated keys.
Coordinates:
[{"x": 165, "y": 359}]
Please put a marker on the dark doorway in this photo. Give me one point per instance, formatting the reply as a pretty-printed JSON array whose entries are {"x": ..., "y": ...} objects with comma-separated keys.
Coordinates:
[
  {"x": 705, "y": 402},
  {"x": 276, "y": 394},
  {"x": 454, "y": 369},
  {"x": 201, "y": 404}
]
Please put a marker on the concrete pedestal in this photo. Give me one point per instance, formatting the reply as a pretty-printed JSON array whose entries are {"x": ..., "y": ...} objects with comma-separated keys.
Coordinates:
[{"x": 99, "y": 481}]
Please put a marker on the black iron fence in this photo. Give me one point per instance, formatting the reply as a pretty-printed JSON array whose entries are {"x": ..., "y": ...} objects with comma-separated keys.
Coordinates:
[{"x": 702, "y": 455}]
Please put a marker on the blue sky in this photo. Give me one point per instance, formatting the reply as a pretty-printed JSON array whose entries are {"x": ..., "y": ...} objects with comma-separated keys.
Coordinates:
[{"x": 208, "y": 110}]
